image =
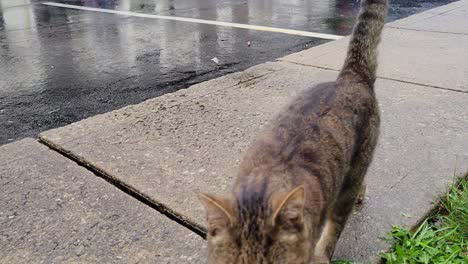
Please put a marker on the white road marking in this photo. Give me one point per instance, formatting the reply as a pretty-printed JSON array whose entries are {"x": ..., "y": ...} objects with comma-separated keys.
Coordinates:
[{"x": 201, "y": 21}]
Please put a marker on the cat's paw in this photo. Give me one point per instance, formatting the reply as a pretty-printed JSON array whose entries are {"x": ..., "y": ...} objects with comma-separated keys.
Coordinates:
[{"x": 362, "y": 195}]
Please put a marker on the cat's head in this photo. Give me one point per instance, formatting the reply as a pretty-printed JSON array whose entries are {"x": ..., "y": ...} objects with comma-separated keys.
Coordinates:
[{"x": 257, "y": 231}]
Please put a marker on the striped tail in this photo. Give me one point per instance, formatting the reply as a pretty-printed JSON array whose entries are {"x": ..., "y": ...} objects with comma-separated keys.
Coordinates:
[{"x": 361, "y": 59}]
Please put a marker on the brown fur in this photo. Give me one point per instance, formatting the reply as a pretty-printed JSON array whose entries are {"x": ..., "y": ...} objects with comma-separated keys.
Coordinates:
[{"x": 299, "y": 181}]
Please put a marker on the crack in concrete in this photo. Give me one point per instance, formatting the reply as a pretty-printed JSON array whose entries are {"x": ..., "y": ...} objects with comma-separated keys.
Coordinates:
[
  {"x": 430, "y": 31},
  {"x": 129, "y": 190},
  {"x": 440, "y": 14},
  {"x": 424, "y": 85},
  {"x": 308, "y": 65},
  {"x": 398, "y": 181},
  {"x": 381, "y": 77}
]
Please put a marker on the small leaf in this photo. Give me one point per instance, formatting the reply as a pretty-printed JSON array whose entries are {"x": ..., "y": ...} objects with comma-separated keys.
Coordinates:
[{"x": 405, "y": 215}]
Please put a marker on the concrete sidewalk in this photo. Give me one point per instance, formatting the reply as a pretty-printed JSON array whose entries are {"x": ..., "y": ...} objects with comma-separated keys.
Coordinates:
[
  {"x": 54, "y": 211},
  {"x": 427, "y": 49},
  {"x": 166, "y": 149}
]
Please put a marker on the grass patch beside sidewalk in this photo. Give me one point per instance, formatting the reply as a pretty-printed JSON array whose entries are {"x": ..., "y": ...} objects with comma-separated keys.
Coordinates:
[{"x": 442, "y": 238}]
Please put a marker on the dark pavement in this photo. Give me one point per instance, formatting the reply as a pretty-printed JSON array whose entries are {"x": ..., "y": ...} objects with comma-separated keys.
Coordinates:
[{"x": 60, "y": 65}]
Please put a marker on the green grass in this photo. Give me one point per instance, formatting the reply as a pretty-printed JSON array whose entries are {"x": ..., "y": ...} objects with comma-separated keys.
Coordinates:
[{"x": 442, "y": 238}]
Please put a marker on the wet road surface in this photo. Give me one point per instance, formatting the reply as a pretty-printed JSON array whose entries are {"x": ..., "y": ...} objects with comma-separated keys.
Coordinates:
[{"x": 60, "y": 65}]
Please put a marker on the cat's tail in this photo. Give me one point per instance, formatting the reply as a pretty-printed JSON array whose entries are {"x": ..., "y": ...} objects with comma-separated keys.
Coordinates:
[{"x": 361, "y": 58}]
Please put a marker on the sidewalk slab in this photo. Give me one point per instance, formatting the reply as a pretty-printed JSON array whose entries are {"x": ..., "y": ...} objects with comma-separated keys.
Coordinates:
[
  {"x": 451, "y": 19},
  {"x": 54, "y": 211},
  {"x": 170, "y": 147},
  {"x": 422, "y": 57},
  {"x": 428, "y": 14},
  {"x": 181, "y": 142}
]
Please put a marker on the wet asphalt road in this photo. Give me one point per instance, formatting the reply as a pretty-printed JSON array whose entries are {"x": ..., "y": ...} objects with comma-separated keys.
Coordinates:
[{"x": 60, "y": 65}]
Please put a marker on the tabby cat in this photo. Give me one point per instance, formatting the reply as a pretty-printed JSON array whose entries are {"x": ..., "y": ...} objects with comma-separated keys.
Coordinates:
[{"x": 299, "y": 181}]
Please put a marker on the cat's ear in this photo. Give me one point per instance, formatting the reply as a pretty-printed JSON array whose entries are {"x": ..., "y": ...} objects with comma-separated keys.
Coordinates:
[
  {"x": 288, "y": 209},
  {"x": 219, "y": 211}
]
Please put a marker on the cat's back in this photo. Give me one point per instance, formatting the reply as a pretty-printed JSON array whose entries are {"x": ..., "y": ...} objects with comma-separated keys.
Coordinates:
[{"x": 319, "y": 124}]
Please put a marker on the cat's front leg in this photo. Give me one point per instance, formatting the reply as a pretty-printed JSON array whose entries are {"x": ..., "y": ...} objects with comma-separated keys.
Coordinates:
[{"x": 326, "y": 244}]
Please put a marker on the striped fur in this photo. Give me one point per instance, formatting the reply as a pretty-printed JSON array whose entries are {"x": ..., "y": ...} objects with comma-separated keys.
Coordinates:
[
  {"x": 362, "y": 51},
  {"x": 299, "y": 181}
]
